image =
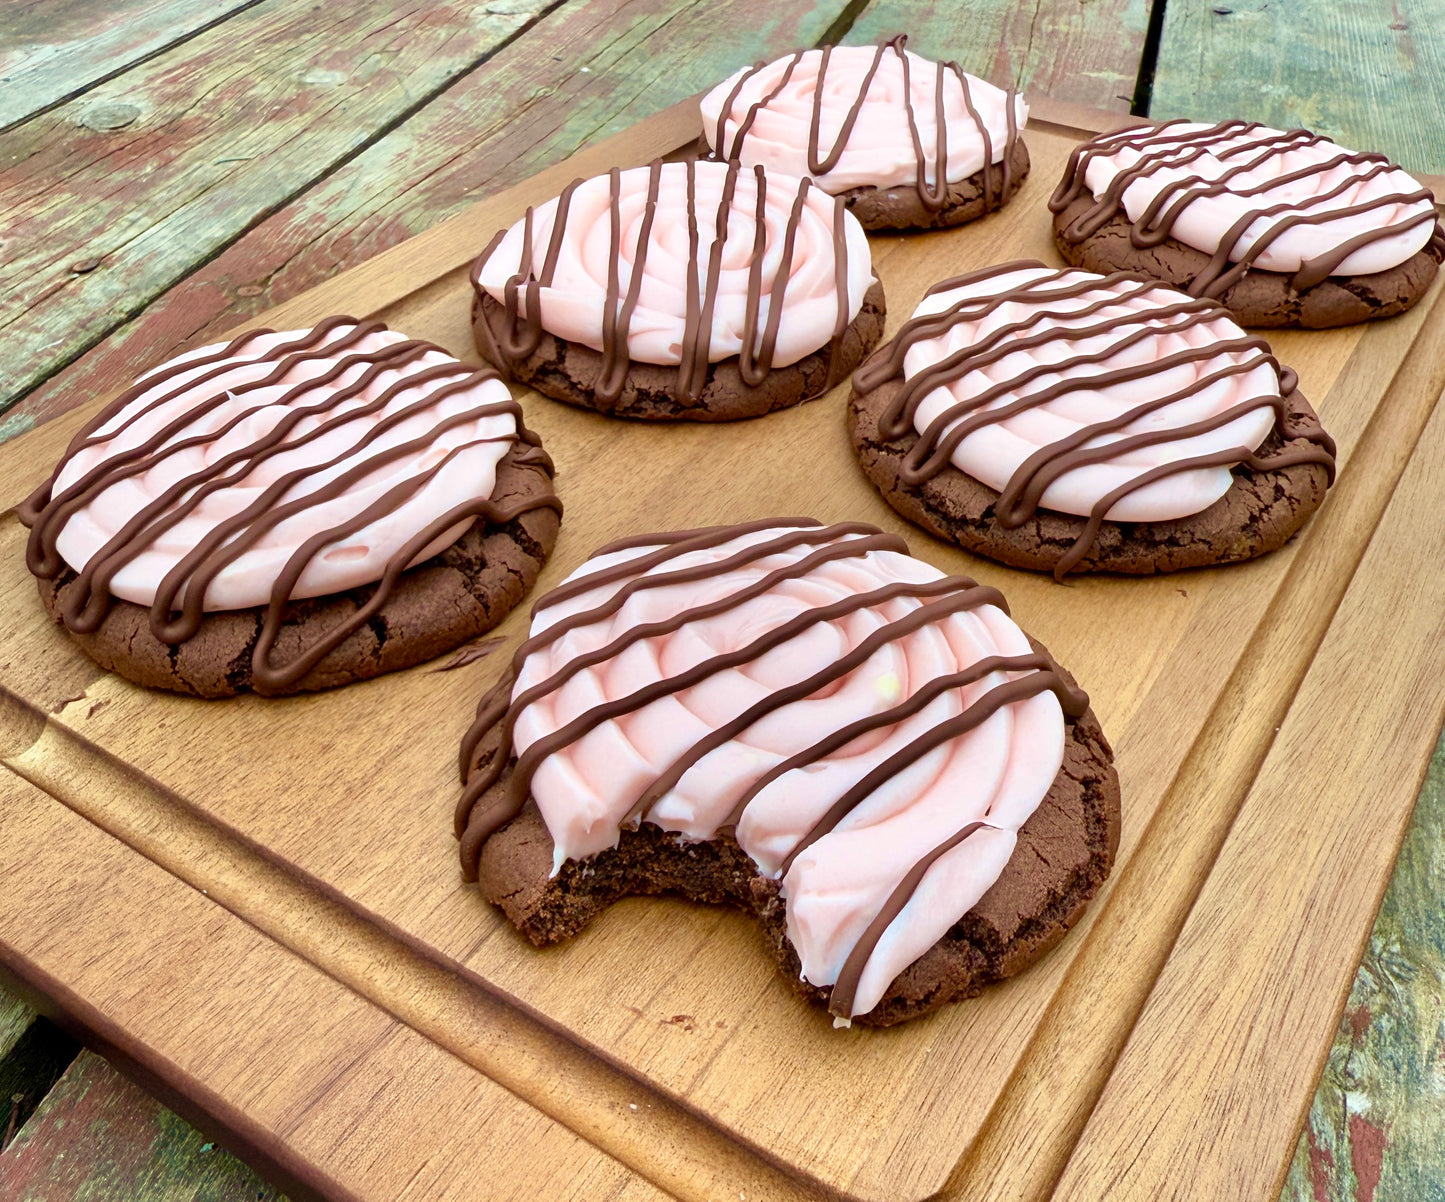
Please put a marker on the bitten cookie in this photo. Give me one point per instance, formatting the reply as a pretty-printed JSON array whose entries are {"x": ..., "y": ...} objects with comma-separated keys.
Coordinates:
[
  {"x": 907, "y": 143},
  {"x": 1065, "y": 421},
  {"x": 680, "y": 292},
  {"x": 871, "y": 757},
  {"x": 293, "y": 511},
  {"x": 1283, "y": 229}
]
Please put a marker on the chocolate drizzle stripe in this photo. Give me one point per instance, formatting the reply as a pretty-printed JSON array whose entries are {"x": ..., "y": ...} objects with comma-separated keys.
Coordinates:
[
  {"x": 1001, "y": 344},
  {"x": 701, "y": 571},
  {"x": 915, "y": 473},
  {"x": 1042, "y": 680},
  {"x": 222, "y": 546},
  {"x": 1228, "y": 458},
  {"x": 290, "y": 673},
  {"x": 523, "y": 321},
  {"x": 934, "y": 447},
  {"x": 521, "y": 776},
  {"x": 89, "y": 600},
  {"x": 478, "y": 819},
  {"x": 933, "y": 199},
  {"x": 675, "y": 544},
  {"x": 840, "y": 1000},
  {"x": 40, "y": 549},
  {"x": 924, "y": 614},
  {"x": 1166, "y": 147},
  {"x": 87, "y": 607},
  {"x": 888, "y": 361},
  {"x": 88, "y": 604}
]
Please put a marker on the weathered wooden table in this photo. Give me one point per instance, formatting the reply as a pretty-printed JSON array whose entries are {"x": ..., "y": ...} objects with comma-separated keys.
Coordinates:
[{"x": 169, "y": 168}]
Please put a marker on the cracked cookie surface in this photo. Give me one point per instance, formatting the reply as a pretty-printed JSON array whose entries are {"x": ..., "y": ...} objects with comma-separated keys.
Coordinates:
[
  {"x": 1261, "y": 299},
  {"x": 899, "y": 207},
  {"x": 1065, "y": 850},
  {"x": 435, "y": 606},
  {"x": 567, "y": 371},
  {"x": 1259, "y": 513}
]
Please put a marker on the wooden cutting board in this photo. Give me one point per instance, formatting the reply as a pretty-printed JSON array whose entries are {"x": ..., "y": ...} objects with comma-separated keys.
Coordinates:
[{"x": 663, "y": 1034}]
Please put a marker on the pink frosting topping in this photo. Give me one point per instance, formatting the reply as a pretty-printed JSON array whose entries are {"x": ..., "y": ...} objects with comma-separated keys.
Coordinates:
[
  {"x": 995, "y": 773},
  {"x": 771, "y": 109},
  {"x": 211, "y": 405},
  {"x": 1202, "y": 357},
  {"x": 573, "y": 299},
  {"x": 1276, "y": 176}
]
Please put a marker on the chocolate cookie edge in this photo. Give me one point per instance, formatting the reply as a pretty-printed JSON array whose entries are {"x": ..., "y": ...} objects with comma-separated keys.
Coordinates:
[
  {"x": 216, "y": 662},
  {"x": 566, "y": 371},
  {"x": 958, "y": 509}
]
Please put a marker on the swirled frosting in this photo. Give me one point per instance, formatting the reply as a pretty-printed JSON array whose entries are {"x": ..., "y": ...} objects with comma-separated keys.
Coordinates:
[
  {"x": 275, "y": 467},
  {"x": 1249, "y": 195},
  {"x": 681, "y": 263},
  {"x": 873, "y": 732},
  {"x": 860, "y": 116},
  {"x": 1111, "y": 397}
]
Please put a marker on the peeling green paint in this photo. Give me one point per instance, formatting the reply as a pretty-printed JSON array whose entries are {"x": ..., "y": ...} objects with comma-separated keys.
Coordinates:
[{"x": 1376, "y": 1130}]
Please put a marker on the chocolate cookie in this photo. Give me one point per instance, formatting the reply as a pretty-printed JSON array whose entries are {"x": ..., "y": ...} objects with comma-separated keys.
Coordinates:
[
  {"x": 1283, "y": 229},
  {"x": 912, "y": 143},
  {"x": 568, "y": 371},
  {"x": 292, "y": 512},
  {"x": 782, "y": 774},
  {"x": 723, "y": 293},
  {"x": 900, "y": 207},
  {"x": 1062, "y": 421},
  {"x": 1260, "y": 513}
]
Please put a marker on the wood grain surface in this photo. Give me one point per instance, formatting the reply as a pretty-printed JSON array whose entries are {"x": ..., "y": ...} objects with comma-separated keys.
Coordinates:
[
  {"x": 210, "y": 1012},
  {"x": 1083, "y": 52},
  {"x": 1152, "y": 898},
  {"x": 286, "y": 805},
  {"x": 1369, "y": 73},
  {"x": 53, "y": 49},
  {"x": 580, "y": 74},
  {"x": 1238, "y": 1017},
  {"x": 213, "y": 136}
]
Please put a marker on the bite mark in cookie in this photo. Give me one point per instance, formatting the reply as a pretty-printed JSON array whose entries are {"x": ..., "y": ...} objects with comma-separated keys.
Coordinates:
[{"x": 868, "y": 734}]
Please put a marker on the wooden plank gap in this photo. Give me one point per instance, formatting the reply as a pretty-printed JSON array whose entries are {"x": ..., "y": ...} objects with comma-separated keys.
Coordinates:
[
  {"x": 99, "y": 1135},
  {"x": 844, "y": 21},
  {"x": 34, "y": 1053},
  {"x": 104, "y": 320},
  {"x": 25, "y": 97},
  {"x": 1149, "y": 60}
]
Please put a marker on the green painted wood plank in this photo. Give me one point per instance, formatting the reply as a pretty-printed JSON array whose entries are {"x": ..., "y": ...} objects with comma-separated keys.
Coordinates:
[
  {"x": 199, "y": 144},
  {"x": 1376, "y": 1129},
  {"x": 1081, "y": 51},
  {"x": 1369, "y": 73},
  {"x": 584, "y": 71},
  {"x": 52, "y": 49},
  {"x": 97, "y": 1136},
  {"x": 15, "y": 1016}
]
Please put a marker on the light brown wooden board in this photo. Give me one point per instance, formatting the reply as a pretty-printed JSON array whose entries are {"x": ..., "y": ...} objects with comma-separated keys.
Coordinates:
[
  {"x": 334, "y": 1094},
  {"x": 353, "y": 788},
  {"x": 1240, "y": 1017}
]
